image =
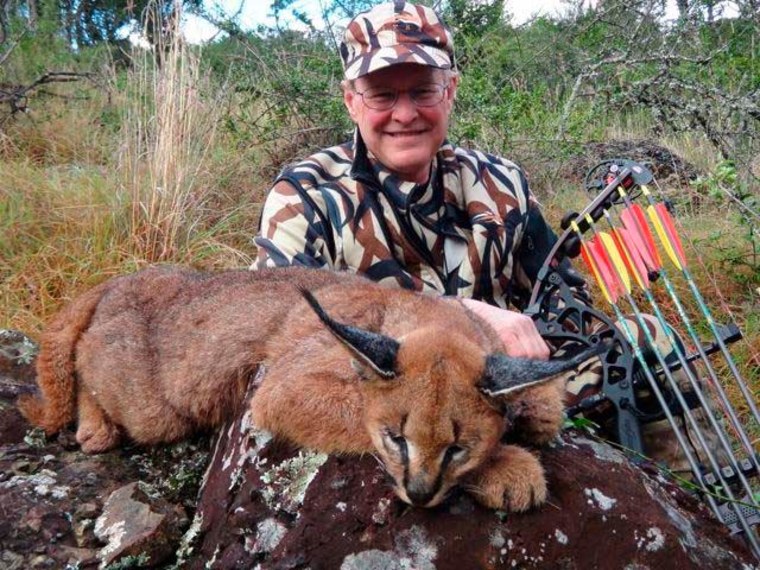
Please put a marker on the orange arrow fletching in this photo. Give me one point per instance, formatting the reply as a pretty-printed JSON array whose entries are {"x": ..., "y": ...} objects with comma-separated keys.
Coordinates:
[
  {"x": 633, "y": 260},
  {"x": 587, "y": 256},
  {"x": 635, "y": 222}
]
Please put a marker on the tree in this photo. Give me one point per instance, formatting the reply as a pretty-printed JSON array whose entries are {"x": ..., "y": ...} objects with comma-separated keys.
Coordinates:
[{"x": 89, "y": 22}]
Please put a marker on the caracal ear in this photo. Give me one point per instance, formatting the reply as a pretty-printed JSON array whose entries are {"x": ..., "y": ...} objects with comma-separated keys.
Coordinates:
[
  {"x": 504, "y": 375},
  {"x": 376, "y": 351}
]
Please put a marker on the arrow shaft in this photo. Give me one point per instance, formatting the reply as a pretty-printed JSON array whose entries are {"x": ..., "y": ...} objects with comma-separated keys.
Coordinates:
[{"x": 715, "y": 382}]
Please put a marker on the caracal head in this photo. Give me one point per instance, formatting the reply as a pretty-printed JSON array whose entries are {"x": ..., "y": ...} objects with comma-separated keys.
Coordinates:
[
  {"x": 430, "y": 424},
  {"x": 434, "y": 401}
]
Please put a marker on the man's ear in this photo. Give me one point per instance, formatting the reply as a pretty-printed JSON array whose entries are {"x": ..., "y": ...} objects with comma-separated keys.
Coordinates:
[
  {"x": 453, "y": 84},
  {"x": 350, "y": 99},
  {"x": 451, "y": 92}
]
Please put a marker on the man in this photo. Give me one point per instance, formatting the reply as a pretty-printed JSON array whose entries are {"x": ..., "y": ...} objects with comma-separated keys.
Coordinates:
[{"x": 402, "y": 205}]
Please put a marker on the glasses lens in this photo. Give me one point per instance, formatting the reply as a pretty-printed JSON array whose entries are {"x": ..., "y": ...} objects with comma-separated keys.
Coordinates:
[
  {"x": 379, "y": 98},
  {"x": 383, "y": 98},
  {"x": 427, "y": 95}
]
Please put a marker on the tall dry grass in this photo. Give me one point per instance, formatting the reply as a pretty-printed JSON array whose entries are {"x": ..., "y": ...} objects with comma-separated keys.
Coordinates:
[
  {"x": 96, "y": 186},
  {"x": 169, "y": 129}
]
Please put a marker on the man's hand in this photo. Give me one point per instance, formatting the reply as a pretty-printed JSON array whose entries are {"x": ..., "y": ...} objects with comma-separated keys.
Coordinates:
[{"x": 517, "y": 332}]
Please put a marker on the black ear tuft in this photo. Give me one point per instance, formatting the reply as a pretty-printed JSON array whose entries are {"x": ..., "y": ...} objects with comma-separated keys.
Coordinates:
[
  {"x": 376, "y": 350},
  {"x": 505, "y": 375}
]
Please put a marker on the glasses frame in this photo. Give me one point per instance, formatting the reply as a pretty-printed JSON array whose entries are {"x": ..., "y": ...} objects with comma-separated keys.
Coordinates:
[{"x": 410, "y": 92}]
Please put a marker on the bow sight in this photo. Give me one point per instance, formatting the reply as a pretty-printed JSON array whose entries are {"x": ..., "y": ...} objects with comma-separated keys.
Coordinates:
[{"x": 639, "y": 383}]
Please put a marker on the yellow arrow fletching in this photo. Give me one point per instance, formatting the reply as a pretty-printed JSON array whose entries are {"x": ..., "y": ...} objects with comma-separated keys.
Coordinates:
[
  {"x": 614, "y": 255},
  {"x": 662, "y": 234}
]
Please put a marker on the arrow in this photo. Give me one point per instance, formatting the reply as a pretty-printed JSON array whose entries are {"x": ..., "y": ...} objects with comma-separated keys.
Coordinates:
[
  {"x": 633, "y": 214},
  {"x": 672, "y": 245}
]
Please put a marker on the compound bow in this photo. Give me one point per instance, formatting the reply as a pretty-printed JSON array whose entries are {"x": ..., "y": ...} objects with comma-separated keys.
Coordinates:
[{"x": 638, "y": 385}]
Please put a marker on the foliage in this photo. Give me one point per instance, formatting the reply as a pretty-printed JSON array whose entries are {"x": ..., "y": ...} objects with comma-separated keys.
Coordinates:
[
  {"x": 82, "y": 23},
  {"x": 726, "y": 188},
  {"x": 343, "y": 9},
  {"x": 287, "y": 94}
]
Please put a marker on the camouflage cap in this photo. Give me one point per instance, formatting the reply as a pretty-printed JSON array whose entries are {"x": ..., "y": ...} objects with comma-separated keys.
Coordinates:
[{"x": 393, "y": 33}]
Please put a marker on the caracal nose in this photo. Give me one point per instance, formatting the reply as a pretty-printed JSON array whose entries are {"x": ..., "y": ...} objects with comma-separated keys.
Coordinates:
[{"x": 419, "y": 493}]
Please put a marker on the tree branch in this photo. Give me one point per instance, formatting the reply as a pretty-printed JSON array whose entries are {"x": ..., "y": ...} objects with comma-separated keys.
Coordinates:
[{"x": 16, "y": 95}]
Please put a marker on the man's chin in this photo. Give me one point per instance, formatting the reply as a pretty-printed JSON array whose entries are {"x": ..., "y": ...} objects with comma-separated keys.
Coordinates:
[{"x": 409, "y": 160}]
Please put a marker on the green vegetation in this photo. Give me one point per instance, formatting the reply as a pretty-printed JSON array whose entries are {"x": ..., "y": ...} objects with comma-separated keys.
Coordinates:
[{"x": 134, "y": 157}]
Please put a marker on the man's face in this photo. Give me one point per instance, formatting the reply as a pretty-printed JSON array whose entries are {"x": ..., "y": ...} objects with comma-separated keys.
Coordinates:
[{"x": 406, "y": 137}]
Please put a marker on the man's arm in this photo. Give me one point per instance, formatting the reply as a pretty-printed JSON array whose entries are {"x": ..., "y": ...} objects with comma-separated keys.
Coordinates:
[{"x": 294, "y": 230}]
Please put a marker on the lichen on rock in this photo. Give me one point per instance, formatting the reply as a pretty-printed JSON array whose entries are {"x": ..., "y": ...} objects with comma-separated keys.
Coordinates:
[{"x": 287, "y": 482}]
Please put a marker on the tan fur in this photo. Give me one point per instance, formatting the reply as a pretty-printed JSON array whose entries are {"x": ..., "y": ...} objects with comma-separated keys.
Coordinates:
[
  {"x": 162, "y": 353},
  {"x": 55, "y": 364}
]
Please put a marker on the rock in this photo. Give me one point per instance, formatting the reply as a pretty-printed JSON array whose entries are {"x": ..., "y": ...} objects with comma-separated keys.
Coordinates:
[
  {"x": 76, "y": 557},
  {"x": 51, "y": 493},
  {"x": 11, "y": 561},
  {"x": 269, "y": 505},
  {"x": 136, "y": 524},
  {"x": 17, "y": 352}
]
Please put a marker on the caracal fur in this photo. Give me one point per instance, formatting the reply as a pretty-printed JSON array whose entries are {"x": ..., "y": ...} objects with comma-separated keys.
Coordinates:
[{"x": 165, "y": 352}]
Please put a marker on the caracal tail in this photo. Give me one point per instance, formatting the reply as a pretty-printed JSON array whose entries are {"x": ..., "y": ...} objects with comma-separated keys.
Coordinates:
[{"x": 55, "y": 406}]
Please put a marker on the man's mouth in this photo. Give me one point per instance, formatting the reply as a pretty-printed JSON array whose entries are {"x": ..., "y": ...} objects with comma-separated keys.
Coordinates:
[{"x": 402, "y": 134}]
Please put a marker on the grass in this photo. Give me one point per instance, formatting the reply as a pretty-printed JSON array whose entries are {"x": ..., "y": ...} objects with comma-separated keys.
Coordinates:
[
  {"x": 102, "y": 185},
  {"x": 168, "y": 131}
]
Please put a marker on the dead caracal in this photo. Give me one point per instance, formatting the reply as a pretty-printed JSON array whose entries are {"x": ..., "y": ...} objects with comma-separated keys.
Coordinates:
[{"x": 351, "y": 367}]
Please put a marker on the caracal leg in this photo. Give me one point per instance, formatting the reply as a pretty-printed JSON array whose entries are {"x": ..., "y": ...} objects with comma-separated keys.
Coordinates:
[{"x": 95, "y": 432}]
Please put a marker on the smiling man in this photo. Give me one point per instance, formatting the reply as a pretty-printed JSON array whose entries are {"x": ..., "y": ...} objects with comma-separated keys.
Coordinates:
[{"x": 399, "y": 203}]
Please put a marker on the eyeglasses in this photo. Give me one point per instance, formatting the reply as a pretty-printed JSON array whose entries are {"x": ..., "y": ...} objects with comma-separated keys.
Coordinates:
[{"x": 384, "y": 98}]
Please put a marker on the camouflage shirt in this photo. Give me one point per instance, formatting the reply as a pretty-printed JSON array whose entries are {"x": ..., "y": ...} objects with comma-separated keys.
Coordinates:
[{"x": 462, "y": 233}]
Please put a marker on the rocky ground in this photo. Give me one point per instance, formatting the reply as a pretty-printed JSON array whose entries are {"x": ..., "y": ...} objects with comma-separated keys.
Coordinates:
[{"x": 266, "y": 505}]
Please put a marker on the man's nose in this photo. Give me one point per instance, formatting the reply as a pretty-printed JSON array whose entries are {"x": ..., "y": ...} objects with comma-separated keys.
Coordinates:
[{"x": 405, "y": 110}]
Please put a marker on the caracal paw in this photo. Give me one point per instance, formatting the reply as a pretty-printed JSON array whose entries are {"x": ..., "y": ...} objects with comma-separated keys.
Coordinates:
[
  {"x": 512, "y": 481},
  {"x": 97, "y": 438}
]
